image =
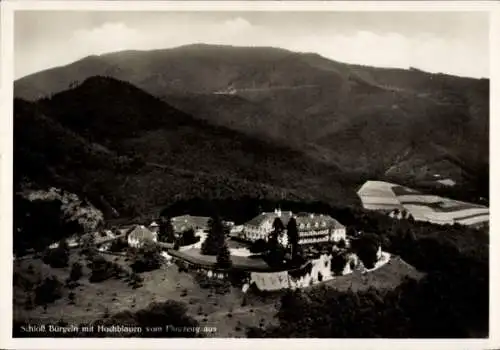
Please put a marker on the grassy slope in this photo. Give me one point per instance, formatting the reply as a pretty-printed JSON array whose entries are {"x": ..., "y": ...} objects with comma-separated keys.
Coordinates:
[{"x": 222, "y": 311}]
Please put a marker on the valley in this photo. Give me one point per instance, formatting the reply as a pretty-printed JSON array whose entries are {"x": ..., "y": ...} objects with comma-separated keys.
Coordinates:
[{"x": 374, "y": 166}]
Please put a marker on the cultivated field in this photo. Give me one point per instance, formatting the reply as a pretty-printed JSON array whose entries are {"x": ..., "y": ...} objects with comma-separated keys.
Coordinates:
[{"x": 379, "y": 195}]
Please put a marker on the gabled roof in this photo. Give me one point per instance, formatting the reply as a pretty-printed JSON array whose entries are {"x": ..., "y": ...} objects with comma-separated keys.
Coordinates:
[
  {"x": 141, "y": 233},
  {"x": 320, "y": 219},
  {"x": 302, "y": 218},
  {"x": 190, "y": 221},
  {"x": 258, "y": 220},
  {"x": 261, "y": 218}
]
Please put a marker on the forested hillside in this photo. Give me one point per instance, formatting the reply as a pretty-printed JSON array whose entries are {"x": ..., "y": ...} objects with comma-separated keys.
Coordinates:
[
  {"x": 129, "y": 152},
  {"x": 374, "y": 121}
]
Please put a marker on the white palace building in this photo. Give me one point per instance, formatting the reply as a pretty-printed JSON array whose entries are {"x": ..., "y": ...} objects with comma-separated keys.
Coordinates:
[{"x": 313, "y": 228}]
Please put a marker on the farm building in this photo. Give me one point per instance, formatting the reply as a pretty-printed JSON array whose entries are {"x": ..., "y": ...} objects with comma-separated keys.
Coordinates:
[
  {"x": 139, "y": 235},
  {"x": 188, "y": 222},
  {"x": 313, "y": 228}
]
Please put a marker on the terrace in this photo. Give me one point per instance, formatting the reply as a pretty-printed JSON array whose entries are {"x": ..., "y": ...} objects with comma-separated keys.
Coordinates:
[{"x": 242, "y": 263}]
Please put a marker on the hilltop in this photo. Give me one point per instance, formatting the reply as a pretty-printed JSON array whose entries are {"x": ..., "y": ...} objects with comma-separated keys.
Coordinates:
[{"x": 129, "y": 152}]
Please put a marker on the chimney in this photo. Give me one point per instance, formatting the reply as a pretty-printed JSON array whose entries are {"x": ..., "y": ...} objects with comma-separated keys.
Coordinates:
[
  {"x": 277, "y": 212},
  {"x": 311, "y": 216}
]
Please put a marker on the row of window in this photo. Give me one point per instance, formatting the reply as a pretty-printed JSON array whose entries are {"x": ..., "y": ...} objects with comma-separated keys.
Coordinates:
[
  {"x": 314, "y": 233},
  {"x": 309, "y": 238},
  {"x": 313, "y": 240},
  {"x": 262, "y": 230},
  {"x": 308, "y": 225}
]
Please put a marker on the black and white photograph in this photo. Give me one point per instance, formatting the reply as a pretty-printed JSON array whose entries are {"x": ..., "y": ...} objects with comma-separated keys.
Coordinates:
[{"x": 249, "y": 173}]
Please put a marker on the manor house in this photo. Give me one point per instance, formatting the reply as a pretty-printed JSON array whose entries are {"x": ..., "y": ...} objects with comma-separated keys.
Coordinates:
[{"x": 312, "y": 228}]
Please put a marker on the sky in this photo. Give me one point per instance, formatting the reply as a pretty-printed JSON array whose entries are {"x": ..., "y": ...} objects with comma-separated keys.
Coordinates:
[{"x": 446, "y": 42}]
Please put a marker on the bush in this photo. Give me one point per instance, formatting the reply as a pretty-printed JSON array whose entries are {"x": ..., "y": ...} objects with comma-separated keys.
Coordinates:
[
  {"x": 76, "y": 272},
  {"x": 57, "y": 257},
  {"x": 147, "y": 258},
  {"x": 29, "y": 304},
  {"x": 103, "y": 270},
  {"x": 169, "y": 313},
  {"x": 135, "y": 280},
  {"x": 188, "y": 237},
  {"x": 118, "y": 245},
  {"x": 216, "y": 285},
  {"x": 71, "y": 297},
  {"x": 259, "y": 246},
  {"x": 48, "y": 291}
]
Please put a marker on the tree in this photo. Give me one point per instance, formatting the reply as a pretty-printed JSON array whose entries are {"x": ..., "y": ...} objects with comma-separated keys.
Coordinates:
[
  {"x": 277, "y": 231},
  {"x": 293, "y": 236},
  {"x": 404, "y": 214},
  {"x": 276, "y": 257},
  {"x": 341, "y": 244},
  {"x": 224, "y": 257},
  {"x": 216, "y": 237},
  {"x": 188, "y": 237},
  {"x": 88, "y": 244},
  {"x": 147, "y": 258},
  {"x": 259, "y": 246},
  {"x": 166, "y": 232},
  {"x": 338, "y": 263},
  {"x": 366, "y": 248},
  {"x": 76, "y": 272}
]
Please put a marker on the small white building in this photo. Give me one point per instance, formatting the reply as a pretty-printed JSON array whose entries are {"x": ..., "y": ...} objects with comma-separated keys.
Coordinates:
[{"x": 140, "y": 235}]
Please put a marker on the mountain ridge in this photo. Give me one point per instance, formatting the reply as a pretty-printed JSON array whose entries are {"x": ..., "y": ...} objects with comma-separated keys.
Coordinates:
[
  {"x": 353, "y": 117},
  {"x": 152, "y": 159}
]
